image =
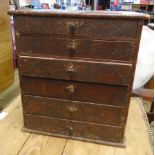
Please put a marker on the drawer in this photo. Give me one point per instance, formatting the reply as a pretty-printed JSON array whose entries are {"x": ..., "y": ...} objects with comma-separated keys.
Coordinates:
[
  {"x": 107, "y": 29},
  {"x": 68, "y": 69},
  {"x": 75, "y": 48},
  {"x": 73, "y": 129},
  {"x": 73, "y": 110},
  {"x": 75, "y": 91}
]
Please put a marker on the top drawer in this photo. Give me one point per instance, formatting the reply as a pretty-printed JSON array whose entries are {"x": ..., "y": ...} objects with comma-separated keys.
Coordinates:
[{"x": 108, "y": 29}]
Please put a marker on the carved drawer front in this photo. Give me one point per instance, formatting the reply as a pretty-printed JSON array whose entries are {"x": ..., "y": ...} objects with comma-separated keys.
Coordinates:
[
  {"x": 73, "y": 27},
  {"x": 75, "y": 91},
  {"x": 73, "y": 110},
  {"x": 75, "y": 48},
  {"x": 88, "y": 71},
  {"x": 74, "y": 129}
]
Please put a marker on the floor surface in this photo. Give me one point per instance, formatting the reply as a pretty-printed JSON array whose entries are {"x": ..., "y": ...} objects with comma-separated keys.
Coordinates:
[{"x": 9, "y": 94}]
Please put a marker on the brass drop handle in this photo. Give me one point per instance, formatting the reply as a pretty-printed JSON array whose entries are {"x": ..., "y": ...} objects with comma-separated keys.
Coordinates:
[
  {"x": 70, "y": 89},
  {"x": 71, "y": 26},
  {"x": 17, "y": 34},
  {"x": 72, "y": 108},
  {"x": 70, "y": 131},
  {"x": 72, "y": 45},
  {"x": 70, "y": 68},
  {"x": 70, "y": 128}
]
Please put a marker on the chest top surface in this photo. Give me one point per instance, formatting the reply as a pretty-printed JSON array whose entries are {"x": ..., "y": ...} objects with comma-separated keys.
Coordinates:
[{"x": 81, "y": 14}]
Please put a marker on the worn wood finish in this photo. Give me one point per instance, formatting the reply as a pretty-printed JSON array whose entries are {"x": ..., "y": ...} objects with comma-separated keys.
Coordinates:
[
  {"x": 88, "y": 71},
  {"x": 86, "y": 62},
  {"x": 136, "y": 48},
  {"x": 13, "y": 141},
  {"x": 82, "y": 28},
  {"x": 75, "y": 48},
  {"x": 82, "y": 14},
  {"x": 73, "y": 110},
  {"x": 73, "y": 129},
  {"x": 84, "y": 92}
]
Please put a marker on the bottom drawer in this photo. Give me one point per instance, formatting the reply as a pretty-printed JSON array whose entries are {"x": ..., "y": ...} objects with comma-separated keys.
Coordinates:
[{"x": 73, "y": 129}]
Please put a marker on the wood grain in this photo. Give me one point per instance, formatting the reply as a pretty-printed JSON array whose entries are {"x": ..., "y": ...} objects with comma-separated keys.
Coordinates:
[
  {"x": 88, "y": 71},
  {"x": 43, "y": 145},
  {"x": 82, "y": 148},
  {"x": 74, "y": 129},
  {"x": 13, "y": 140},
  {"x": 83, "y": 92},
  {"x": 6, "y": 60},
  {"x": 11, "y": 137},
  {"x": 83, "y": 14},
  {"x": 83, "y": 48},
  {"x": 137, "y": 139},
  {"x": 73, "y": 110},
  {"x": 85, "y": 28},
  {"x": 135, "y": 131},
  {"x": 106, "y": 81}
]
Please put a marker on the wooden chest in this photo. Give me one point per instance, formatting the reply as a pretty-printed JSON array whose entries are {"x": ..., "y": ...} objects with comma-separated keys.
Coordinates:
[{"x": 76, "y": 72}]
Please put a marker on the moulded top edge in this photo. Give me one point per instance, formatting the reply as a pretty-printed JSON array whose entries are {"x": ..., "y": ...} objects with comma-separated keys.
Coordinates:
[{"x": 80, "y": 14}]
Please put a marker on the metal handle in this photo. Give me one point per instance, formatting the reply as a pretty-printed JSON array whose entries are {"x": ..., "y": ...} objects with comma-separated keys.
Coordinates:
[
  {"x": 70, "y": 68},
  {"x": 72, "y": 45},
  {"x": 70, "y": 130},
  {"x": 72, "y": 108},
  {"x": 70, "y": 89},
  {"x": 17, "y": 34},
  {"x": 72, "y": 26}
]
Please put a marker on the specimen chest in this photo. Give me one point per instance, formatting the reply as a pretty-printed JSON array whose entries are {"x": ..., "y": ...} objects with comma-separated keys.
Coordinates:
[{"x": 76, "y": 72}]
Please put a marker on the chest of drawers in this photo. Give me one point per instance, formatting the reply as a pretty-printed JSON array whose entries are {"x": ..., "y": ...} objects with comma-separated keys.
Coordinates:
[{"x": 76, "y": 72}]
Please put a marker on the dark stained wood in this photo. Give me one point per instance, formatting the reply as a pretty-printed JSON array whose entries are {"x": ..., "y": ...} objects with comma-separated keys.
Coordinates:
[
  {"x": 75, "y": 48},
  {"x": 83, "y": 28},
  {"x": 73, "y": 128},
  {"x": 98, "y": 72},
  {"x": 73, "y": 110},
  {"x": 82, "y": 14},
  {"x": 136, "y": 48},
  {"x": 79, "y": 60},
  {"x": 84, "y": 92}
]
